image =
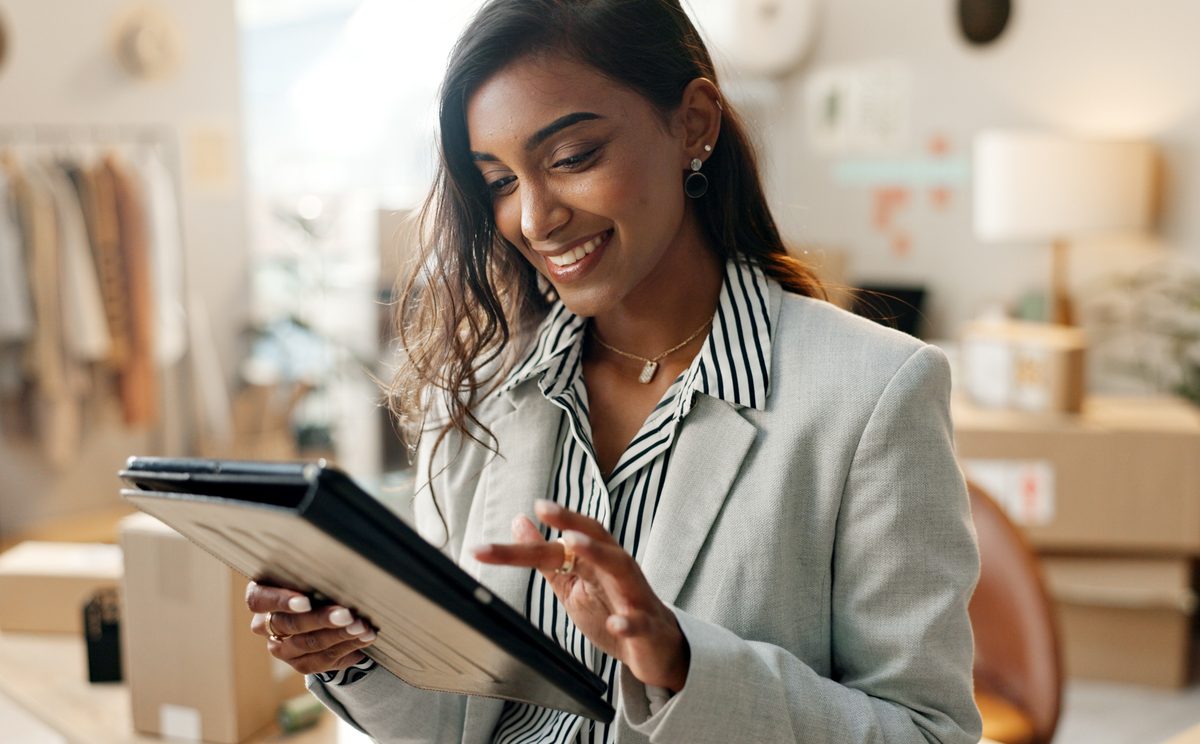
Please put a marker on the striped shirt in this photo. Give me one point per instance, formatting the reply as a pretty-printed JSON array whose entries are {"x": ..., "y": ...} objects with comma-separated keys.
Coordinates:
[{"x": 732, "y": 366}]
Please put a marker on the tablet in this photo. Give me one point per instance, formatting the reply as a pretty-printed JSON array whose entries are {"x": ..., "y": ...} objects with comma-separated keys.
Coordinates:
[{"x": 310, "y": 528}]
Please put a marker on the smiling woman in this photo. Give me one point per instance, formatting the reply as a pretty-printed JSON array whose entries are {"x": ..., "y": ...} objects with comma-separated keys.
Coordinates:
[{"x": 750, "y": 523}]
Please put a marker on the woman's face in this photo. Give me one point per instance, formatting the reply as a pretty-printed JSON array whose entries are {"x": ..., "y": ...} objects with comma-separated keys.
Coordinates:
[{"x": 585, "y": 178}]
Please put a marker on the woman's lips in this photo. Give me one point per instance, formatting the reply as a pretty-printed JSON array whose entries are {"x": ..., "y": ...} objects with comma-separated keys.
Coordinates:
[{"x": 588, "y": 256}]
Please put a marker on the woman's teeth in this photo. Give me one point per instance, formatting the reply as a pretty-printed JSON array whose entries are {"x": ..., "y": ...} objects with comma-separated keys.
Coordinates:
[{"x": 570, "y": 257}]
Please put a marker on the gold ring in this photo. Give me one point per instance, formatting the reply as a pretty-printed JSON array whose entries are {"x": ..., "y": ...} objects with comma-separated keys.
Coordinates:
[
  {"x": 272, "y": 633},
  {"x": 568, "y": 564}
]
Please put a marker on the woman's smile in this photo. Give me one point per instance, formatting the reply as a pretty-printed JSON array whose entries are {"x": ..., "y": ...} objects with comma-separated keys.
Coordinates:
[{"x": 576, "y": 262}]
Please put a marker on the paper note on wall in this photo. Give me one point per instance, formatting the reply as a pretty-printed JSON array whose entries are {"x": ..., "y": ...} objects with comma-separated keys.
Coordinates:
[
  {"x": 1023, "y": 488},
  {"x": 209, "y": 160},
  {"x": 859, "y": 109}
]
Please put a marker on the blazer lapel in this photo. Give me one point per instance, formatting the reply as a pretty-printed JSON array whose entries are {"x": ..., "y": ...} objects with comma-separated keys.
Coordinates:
[
  {"x": 514, "y": 479},
  {"x": 712, "y": 443}
]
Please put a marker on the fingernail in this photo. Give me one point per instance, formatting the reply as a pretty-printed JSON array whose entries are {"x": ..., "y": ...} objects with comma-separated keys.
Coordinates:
[
  {"x": 299, "y": 604},
  {"x": 548, "y": 506},
  {"x": 576, "y": 539},
  {"x": 367, "y": 637},
  {"x": 358, "y": 628},
  {"x": 341, "y": 617},
  {"x": 619, "y": 624}
]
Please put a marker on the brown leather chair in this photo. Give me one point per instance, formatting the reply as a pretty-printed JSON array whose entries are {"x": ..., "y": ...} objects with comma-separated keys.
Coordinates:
[{"x": 1018, "y": 670}]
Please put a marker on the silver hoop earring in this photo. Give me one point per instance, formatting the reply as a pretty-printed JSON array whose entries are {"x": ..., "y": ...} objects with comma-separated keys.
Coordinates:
[{"x": 696, "y": 183}]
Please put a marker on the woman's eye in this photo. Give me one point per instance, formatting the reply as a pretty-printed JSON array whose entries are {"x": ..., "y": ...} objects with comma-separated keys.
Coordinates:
[
  {"x": 575, "y": 161},
  {"x": 500, "y": 185}
]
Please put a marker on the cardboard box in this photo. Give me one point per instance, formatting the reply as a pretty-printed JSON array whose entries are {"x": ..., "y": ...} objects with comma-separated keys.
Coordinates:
[
  {"x": 44, "y": 585},
  {"x": 195, "y": 670},
  {"x": 1124, "y": 619},
  {"x": 1123, "y": 476},
  {"x": 1036, "y": 367}
]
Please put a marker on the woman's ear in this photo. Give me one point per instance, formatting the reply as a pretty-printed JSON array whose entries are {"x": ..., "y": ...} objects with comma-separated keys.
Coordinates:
[{"x": 699, "y": 119}]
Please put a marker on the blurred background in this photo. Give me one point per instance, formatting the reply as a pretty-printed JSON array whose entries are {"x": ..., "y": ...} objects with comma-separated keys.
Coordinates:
[{"x": 206, "y": 204}]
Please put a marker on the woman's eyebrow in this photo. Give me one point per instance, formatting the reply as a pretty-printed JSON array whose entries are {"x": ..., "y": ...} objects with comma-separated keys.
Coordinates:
[{"x": 545, "y": 132}]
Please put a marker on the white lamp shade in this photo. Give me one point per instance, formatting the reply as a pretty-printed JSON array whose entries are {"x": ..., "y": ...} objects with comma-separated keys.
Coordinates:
[{"x": 1036, "y": 187}]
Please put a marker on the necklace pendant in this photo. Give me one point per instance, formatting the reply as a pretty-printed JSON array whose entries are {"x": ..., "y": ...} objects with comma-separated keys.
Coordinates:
[{"x": 648, "y": 373}]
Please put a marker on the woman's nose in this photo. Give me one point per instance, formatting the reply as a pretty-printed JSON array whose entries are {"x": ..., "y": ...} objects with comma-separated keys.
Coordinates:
[{"x": 542, "y": 213}]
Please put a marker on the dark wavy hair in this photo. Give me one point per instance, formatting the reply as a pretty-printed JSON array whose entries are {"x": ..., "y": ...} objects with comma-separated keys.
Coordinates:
[{"x": 470, "y": 291}]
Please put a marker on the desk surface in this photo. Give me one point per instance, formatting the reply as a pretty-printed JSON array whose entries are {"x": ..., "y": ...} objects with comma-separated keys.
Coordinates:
[{"x": 45, "y": 674}]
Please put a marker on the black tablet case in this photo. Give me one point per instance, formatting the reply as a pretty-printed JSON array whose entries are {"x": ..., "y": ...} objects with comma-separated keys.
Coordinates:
[{"x": 308, "y": 527}]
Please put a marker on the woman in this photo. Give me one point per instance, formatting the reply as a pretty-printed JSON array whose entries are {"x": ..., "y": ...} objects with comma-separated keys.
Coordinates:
[{"x": 752, "y": 525}]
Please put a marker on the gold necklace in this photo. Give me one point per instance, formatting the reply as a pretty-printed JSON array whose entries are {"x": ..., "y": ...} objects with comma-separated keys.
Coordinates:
[{"x": 651, "y": 365}]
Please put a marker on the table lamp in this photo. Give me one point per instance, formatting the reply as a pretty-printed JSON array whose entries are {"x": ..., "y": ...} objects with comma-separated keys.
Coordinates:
[{"x": 1042, "y": 187}]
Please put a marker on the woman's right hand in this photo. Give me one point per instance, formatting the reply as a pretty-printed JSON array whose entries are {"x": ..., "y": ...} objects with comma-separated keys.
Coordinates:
[{"x": 323, "y": 640}]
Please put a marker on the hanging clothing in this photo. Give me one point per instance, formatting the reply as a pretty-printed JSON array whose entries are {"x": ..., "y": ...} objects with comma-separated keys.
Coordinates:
[
  {"x": 57, "y": 379},
  {"x": 100, "y": 212},
  {"x": 85, "y": 329},
  {"x": 166, "y": 256},
  {"x": 16, "y": 312},
  {"x": 91, "y": 291},
  {"x": 138, "y": 376}
]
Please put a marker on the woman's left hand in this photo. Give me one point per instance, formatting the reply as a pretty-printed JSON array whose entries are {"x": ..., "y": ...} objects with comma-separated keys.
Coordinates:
[{"x": 606, "y": 595}]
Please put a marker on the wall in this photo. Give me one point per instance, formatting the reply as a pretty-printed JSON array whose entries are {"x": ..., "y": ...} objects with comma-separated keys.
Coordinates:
[
  {"x": 60, "y": 70},
  {"x": 1104, "y": 67}
]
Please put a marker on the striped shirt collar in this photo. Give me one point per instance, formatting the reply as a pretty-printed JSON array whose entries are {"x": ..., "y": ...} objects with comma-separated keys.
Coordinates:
[{"x": 733, "y": 366}]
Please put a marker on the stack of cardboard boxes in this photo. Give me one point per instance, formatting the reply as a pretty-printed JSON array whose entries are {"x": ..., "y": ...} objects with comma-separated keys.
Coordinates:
[
  {"x": 196, "y": 672},
  {"x": 1110, "y": 499},
  {"x": 45, "y": 585}
]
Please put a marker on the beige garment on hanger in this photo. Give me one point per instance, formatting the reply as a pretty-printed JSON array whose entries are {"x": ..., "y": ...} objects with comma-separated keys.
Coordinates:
[
  {"x": 138, "y": 378},
  {"x": 57, "y": 380},
  {"x": 85, "y": 327}
]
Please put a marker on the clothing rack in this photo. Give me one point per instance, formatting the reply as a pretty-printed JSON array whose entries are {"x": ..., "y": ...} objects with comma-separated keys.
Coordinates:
[
  {"x": 90, "y": 133},
  {"x": 160, "y": 136},
  {"x": 86, "y": 139}
]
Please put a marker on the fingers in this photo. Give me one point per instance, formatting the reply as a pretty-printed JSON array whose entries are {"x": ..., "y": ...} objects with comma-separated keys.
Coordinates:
[
  {"x": 608, "y": 564},
  {"x": 544, "y": 556},
  {"x": 349, "y": 659},
  {"x": 600, "y": 558},
  {"x": 321, "y": 640},
  {"x": 330, "y": 659},
  {"x": 532, "y": 549},
  {"x": 263, "y": 598},
  {"x": 562, "y": 519},
  {"x": 318, "y": 641},
  {"x": 288, "y": 623},
  {"x": 525, "y": 531}
]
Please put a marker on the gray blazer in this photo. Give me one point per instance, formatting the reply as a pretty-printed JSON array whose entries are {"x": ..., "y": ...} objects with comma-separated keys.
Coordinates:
[{"x": 819, "y": 554}]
